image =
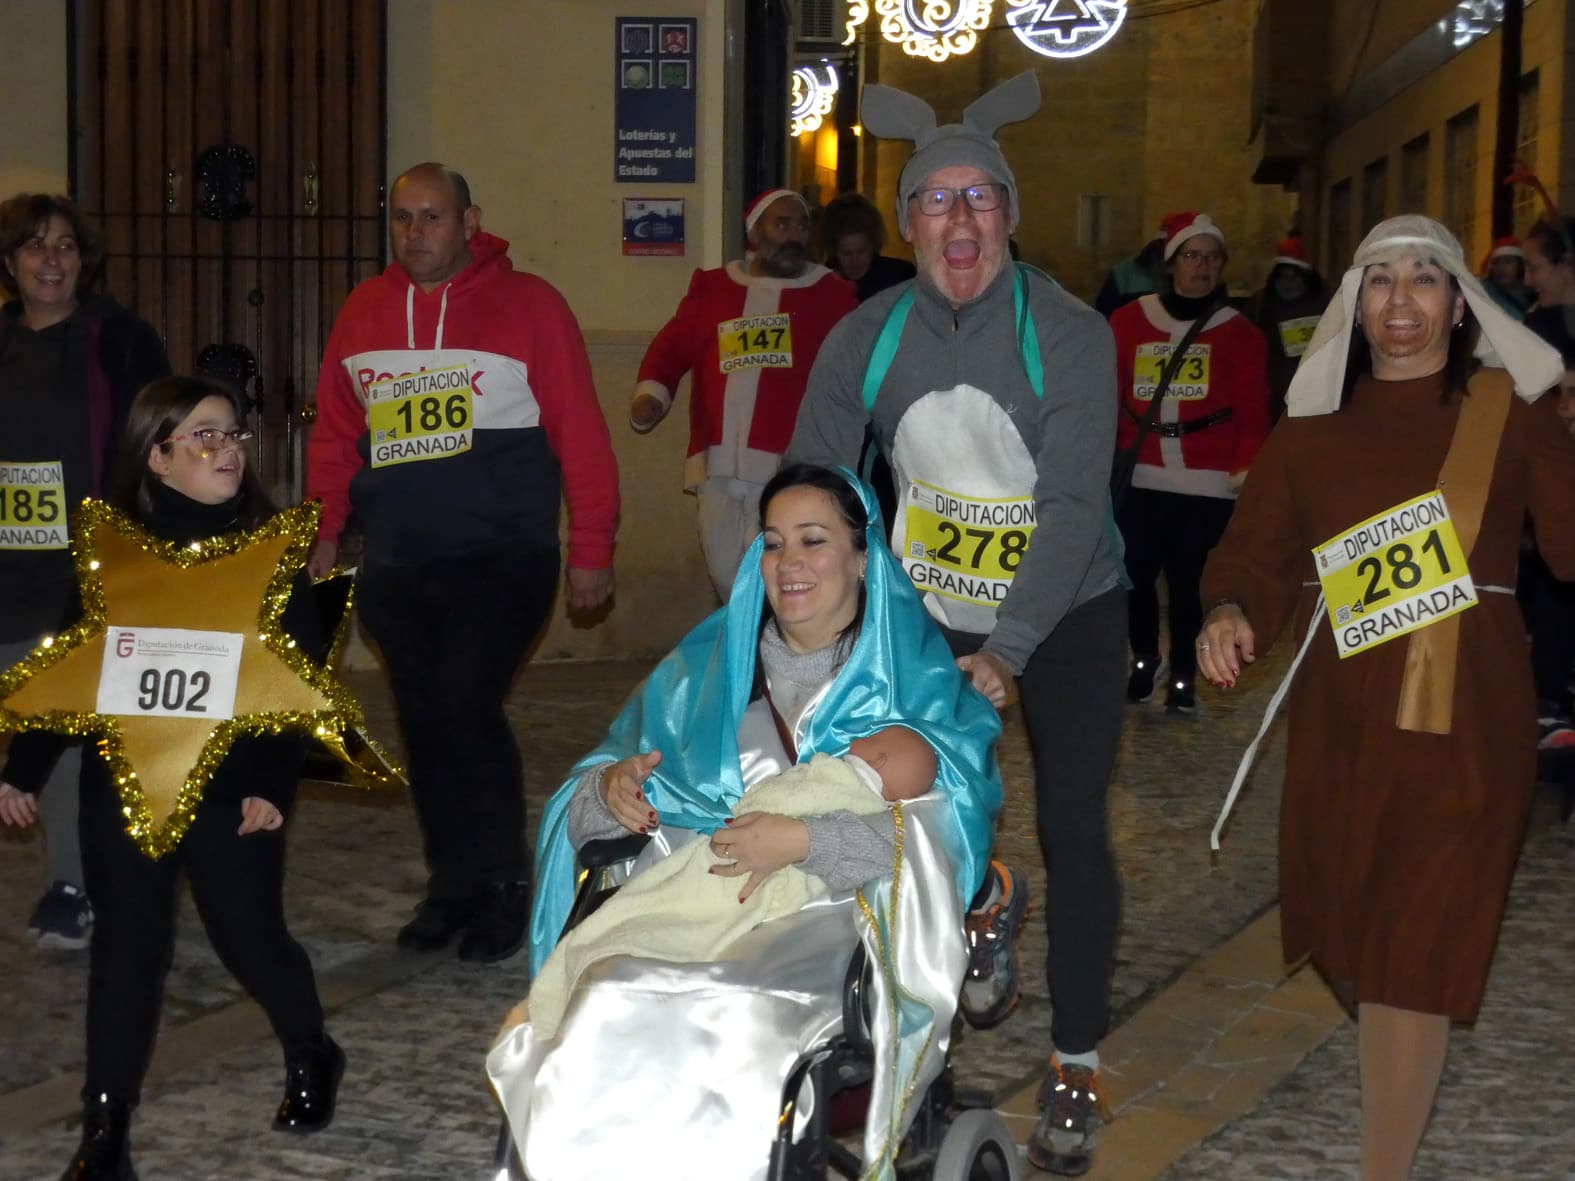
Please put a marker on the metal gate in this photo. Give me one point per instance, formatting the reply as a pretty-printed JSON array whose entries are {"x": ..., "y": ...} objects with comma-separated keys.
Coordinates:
[{"x": 232, "y": 152}]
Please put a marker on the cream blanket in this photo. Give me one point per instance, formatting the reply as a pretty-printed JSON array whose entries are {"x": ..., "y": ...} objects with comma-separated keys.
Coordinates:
[{"x": 679, "y": 912}]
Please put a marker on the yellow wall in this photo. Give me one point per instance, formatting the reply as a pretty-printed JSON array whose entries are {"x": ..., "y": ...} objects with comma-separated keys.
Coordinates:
[
  {"x": 1469, "y": 77},
  {"x": 519, "y": 98},
  {"x": 33, "y": 98}
]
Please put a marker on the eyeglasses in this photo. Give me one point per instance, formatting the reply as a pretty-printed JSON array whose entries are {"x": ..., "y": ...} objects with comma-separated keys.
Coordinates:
[
  {"x": 1209, "y": 256},
  {"x": 211, "y": 438},
  {"x": 938, "y": 202}
]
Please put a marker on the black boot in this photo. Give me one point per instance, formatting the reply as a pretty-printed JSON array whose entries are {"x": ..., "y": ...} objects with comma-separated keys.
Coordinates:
[
  {"x": 311, "y": 1082},
  {"x": 497, "y": 923},
  {"x": 105, "y": 1151}
]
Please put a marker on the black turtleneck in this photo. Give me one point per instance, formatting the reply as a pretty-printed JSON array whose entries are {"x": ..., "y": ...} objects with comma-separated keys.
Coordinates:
[
  {"x": 259, "y": 765},
  {"x": 1184, "y": 307}
]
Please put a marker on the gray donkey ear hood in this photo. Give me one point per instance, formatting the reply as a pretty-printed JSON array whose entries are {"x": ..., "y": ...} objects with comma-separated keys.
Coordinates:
[{"x": 894, "y": 114}]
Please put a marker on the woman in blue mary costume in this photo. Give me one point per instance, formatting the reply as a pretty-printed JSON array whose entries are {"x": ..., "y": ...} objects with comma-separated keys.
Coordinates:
[{"x": 823, "y": 642}]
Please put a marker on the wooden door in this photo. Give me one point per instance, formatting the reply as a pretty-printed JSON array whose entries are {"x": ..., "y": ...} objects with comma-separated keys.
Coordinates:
[{"x": 233, "y": 153}]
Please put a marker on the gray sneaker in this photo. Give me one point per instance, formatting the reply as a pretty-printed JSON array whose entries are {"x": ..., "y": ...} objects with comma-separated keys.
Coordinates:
[
  {"x": 63, "y": 918},
  {"x": 1070, "y": 1110},
  {"x": 993, "y": 984}
]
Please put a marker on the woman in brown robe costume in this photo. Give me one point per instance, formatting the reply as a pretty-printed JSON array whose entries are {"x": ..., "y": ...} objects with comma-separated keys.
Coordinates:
[{"x": 1397, "y": 845}]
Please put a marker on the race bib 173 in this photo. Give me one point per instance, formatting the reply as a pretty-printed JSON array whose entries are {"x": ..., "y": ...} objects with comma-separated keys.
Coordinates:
[
  {"x": 964, "y": 547},
  {"x": 1191, "y": 383},
  {"x": 755, "y": 342},
  {"x": 1297, "y": 334},
  {"x": 169, "y": 672},
  {"x": 1393, "y": 574},
  {"x": 32, "y": 505},
  {"x": 426, "y": 415}
]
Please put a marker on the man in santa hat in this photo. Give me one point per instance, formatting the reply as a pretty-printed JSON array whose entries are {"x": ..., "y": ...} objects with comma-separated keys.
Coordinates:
[{"x": 748, "y": 333}]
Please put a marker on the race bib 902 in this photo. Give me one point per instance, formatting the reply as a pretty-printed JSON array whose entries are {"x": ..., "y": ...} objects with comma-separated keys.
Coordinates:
[
  {"x": 168, "y": 672},
  {"x": 1393, "y": 574},
  {"x": 32, "y": 506},
  {"x": 419, "y": 416}
]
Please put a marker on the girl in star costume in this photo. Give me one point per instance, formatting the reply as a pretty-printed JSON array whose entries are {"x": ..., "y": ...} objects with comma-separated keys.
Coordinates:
[{"x": 181, "y": 471}]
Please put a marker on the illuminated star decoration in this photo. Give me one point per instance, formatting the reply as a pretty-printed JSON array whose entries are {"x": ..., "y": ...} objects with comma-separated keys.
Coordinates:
[
  {"x": 236, "y": 583},
  {"x": 1065, "y": 28},
  {"x": 814, "y": 94}
]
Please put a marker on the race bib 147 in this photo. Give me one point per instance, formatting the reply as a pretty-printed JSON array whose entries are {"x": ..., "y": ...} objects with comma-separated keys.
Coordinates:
[
  {"x": 32, "y": 506},
  {"x": 420, "y": 416},
  {"x": 1393, "y": 574},
  {"x": 755, "y": 342},
  {"x": 169, "y": 672}
]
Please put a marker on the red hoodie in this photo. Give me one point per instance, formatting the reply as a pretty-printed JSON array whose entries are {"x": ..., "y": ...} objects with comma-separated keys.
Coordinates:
[{"x": 445, "y": 418}]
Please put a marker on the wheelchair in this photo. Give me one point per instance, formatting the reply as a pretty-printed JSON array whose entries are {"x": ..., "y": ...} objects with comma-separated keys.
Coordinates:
[{"x": 952, "y": 1138}]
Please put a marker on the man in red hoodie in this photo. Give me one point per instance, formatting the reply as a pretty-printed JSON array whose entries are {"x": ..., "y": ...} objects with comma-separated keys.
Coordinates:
[{"x": 455, "y": 410}]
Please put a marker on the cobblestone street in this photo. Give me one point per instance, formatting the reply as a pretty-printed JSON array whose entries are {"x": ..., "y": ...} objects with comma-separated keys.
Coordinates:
[{"x": 414, "y": 1102}]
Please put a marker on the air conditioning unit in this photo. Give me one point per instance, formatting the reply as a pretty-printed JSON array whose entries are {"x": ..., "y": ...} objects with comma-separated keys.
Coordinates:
[{"x": 822, "y": 22}]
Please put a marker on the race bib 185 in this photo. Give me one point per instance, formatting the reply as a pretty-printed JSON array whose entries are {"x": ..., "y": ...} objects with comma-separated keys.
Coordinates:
[
  {"x": 1395, "y": 573},
  {"x": 755, "y": 342},
  {"x": 169, "y": 672},
  {"x": 426, "y": 415},
  {"x": 32, "y": 505},
  {"x": 964, "y": 547},
  {"x": 1191, "y": 383},
  {"x": 1296, "y": 335}
]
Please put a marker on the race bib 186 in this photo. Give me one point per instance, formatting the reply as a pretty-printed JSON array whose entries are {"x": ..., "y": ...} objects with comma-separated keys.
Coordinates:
[
  {"x": 1191, "y": 383},
  {"x": 964, "y": 547},
  {"x": 32, "y": 505},
  {"x": 1393, "y": 574},
  {"x": 1296, "y": 335},
  {"x": 169, "y": 672},
  {"x": 426, "y": 415},
  {"x": 755, "y": 342}
]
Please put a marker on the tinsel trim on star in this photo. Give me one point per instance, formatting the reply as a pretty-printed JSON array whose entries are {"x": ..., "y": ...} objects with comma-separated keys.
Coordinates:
[{"x": 342, "y": 715}]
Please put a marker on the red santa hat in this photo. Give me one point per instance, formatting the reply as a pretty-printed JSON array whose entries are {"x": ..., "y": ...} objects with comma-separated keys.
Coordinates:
[
  {"x": 1292, "y": 252},
  {"x": 762, "y": 202},
  {"x": 1506, "y": 247},
  {"x": 1181, "y": 226}
]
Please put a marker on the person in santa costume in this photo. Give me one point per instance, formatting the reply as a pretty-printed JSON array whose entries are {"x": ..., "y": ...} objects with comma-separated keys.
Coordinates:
[
  {"x": 1287, "y": 311},
  {"x": 1213, "y": 417},
  {"x": 1504, "y": 277},
  {"x": 747, "y": 333}
]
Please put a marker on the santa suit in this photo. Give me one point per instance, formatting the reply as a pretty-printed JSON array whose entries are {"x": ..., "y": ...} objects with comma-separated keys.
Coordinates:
[
  {"x": 748, "y": 342},
  {"x": 1213, "y": 419}
]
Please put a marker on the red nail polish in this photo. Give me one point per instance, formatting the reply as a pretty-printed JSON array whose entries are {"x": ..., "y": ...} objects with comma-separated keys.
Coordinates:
[
  {"x": 642, "y": 828},
  {"x": 651, "y": 816},
  {"x": 729, "y": 820}
]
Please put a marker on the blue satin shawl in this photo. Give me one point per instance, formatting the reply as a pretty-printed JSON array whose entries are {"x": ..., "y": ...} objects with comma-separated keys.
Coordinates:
[{"x": 900, "y": 672}]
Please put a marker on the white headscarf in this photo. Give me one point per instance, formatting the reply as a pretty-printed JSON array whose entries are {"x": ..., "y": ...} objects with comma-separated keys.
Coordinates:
[{"x": 1535, "y": 365}]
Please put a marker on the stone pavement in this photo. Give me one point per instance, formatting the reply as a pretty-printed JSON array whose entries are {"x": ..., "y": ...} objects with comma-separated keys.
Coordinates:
[{"x": 415, "y": 1105}]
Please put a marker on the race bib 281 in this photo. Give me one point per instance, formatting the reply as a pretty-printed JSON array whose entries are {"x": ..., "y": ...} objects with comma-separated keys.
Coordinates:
[{"x": 1394, "y": 574}]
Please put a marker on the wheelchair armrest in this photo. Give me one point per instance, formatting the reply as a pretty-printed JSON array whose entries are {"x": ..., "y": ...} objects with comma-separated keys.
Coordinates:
[
  {"x": 856, "y": 1000},
  {"x": 600, "y": 854}
]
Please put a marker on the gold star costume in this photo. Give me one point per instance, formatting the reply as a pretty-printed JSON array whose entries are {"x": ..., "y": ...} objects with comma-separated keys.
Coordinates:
[{"x": 235, "y": 583}]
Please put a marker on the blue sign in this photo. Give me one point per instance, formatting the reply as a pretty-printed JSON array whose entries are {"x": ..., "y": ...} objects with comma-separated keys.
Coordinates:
[
  {"x": 654, "y": 115},
  {"x": 653, "y": 226}
]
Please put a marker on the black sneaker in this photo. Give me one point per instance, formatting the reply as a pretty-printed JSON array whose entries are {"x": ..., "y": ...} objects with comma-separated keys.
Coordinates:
[
  {"x": 1070, "y": 1111},
  {"x": 437, "y": 921},
  {"x": 1180, "y": 699},
  {"x": 993, "y": 984},
  {"x": 497, "y": 923},
  {"x": 1140, "y": 685},
  {"x": 63, "y": 918}
]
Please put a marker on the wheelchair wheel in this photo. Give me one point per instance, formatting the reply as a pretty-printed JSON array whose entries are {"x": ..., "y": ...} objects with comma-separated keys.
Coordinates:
[{"x": 977, "y": 1147}]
